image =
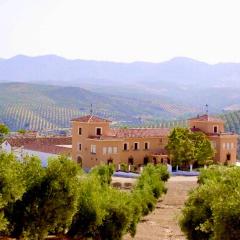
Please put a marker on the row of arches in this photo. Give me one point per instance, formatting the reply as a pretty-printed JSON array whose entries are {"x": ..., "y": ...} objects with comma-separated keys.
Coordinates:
[{"x": 146, "y": 160}]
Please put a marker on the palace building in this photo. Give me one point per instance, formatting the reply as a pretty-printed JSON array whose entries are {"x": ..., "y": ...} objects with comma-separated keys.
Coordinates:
[
  {"x": 95, "y": 142},
  {"x": 224, "y": 143}
]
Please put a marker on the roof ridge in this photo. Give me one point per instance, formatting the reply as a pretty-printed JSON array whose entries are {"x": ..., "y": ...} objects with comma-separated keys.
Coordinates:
[{"x": 91, "y": 116}]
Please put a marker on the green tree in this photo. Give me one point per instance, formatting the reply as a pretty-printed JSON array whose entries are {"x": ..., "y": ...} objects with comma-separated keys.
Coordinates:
[
  {"x": 185, "y": 147},
  {"x": 91, "y": 208},
  {"x": 22, "y": 131},
  {"x": 180, "y": 146},
  {"x": 50, "y": 200},
  {"x": 203, "y": 151},
  {"x": 4, "y": 130},
  {"x": 212, "y": 209},
  {"x": 11, "y": 184},
  {"x": 104, "y": 173}
]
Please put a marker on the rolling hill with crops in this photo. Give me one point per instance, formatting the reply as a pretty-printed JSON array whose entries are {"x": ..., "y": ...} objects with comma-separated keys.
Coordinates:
[
  {"x": 42, "y": 107},
  {"x": 231, "y": 119}
]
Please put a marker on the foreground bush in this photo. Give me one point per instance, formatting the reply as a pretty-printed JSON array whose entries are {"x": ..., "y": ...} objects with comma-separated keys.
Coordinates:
[
  {"x": 12, "y": 186},
  {"x": 107, "y": 213},
  {"x": 212, "y": 210},
  {"x": 49, "y": 202},
  {"x": 62, "y": 200},
  {"x": 103, "y": 173},
  {"x": 104, "y": 212}
]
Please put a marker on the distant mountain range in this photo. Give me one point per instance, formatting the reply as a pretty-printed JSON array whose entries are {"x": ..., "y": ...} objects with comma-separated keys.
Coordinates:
[{"x": 181, "y": 80}]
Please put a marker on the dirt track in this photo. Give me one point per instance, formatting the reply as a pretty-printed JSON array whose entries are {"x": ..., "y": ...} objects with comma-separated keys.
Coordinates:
[{"x": 161, "y": 224}]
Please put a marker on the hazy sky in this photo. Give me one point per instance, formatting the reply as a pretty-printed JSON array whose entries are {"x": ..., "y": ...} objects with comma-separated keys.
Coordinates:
[{"x": 122, "y": 30}]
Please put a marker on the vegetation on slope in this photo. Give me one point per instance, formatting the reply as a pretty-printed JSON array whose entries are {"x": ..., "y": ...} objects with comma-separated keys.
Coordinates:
[
  {"x": 212, "y": 210},
  {"x": 37, "y": 107},
  {"x": 62, "y": 200}
]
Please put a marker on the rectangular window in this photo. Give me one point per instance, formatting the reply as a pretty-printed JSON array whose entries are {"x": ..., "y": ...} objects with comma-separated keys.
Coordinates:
[
  {"x": 79, "y": 146},
  {"x": 215, "y": 129},
  {"x": 228, "y": 146},
  {"x": 93, "y": 149},
  {"x": 115, "y": 150},
  {"x": 224, "y": 145},
  {"x": 125, "y": 146},
  {"x": 213, "y": 144},
  {"x": 98, "y": 131},
  {"x": 104, "y": 151},
  {"x": 232, "y": 145},
  {"x": 80, "y": 131},
  {"x": 110, "y": 150},
  {"x": 136, "y": 146},
  {"x": 146, "y": 145}
]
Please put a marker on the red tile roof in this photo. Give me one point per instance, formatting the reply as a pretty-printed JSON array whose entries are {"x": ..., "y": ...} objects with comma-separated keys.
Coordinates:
[
  {"x": 196, "y": 129},
  {"x": 90, "y": 118},
  {"x": 53, "y": 149},
  {"x": 23, "y": 141},
  {"x": 206, "y": 117},
  {"x": 140, "y": 132}
]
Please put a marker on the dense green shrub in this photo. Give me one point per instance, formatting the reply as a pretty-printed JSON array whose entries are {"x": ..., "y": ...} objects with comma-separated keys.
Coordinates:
[
  {"x": 186, "y": 147},
  {"x": 212, "y": 210},
  {"x": 4, "y": 130},
  {"x": 62, "y": 200},
  {"x": 107, "y": 213},
  {"x": 103, "y": 173},
  {"x": 49, "y": 202},
  {"x": 122, "y": 216},
  {"x": 150, "y": 186},
  {"x": 11, "y": 184},
  {"x": 91, "y": 208},
  {"x": 103, "y": 212},
  {"x": 124, "y": 167}
]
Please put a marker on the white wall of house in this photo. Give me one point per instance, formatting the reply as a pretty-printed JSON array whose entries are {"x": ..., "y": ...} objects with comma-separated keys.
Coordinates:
[
  {"x": 42, "y": 155},
  {"x": 5, "y": 146}
]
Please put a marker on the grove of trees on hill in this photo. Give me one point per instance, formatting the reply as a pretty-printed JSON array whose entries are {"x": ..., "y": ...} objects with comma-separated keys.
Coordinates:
[
  {"x": 212, "y": 209},
  {"x": 64, "y": 201}
]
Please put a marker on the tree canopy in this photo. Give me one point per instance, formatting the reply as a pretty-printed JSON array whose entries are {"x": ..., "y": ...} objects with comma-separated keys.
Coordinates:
[
  {"x": 61, "y": 199},
  {"x": 185, "y": 146},
  {"x": 3, "y": 131},
  {"x": 11, "y": 184},
  {"x": 212, "y": 209}
]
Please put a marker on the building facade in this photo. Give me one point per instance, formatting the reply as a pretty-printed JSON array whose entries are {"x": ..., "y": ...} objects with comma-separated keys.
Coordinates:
[
  {"x": 94, "y": 142},
  {"x": 224, "y": 143}
]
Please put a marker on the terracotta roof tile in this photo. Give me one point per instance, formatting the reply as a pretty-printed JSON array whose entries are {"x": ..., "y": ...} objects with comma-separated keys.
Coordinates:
[
  {"x": 141, "y": 132},
  {"x": 208, "y": 118},
  {"x": 23, "y": 141},
  {"x": 90, "y": 118},
  {"x": 53, "y": 149}
]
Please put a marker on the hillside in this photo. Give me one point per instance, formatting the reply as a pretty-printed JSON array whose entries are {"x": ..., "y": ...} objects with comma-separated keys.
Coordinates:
[
  {"x": 183, "y": 80},
  {"x": 38, "y": 107},
  {"x": 231, "y": 119}
]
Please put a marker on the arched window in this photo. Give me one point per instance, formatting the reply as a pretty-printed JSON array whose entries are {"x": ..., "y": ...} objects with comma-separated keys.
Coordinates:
[
  {"x": 146, "y": 160},
  {"x": 130, "y": 160},
  {"x": 79, "y": 160},
  {"x": 109, "y": 161}
]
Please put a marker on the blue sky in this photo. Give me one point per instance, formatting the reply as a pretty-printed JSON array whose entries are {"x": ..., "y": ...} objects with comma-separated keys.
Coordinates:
[{"x": 122, "y": 30}]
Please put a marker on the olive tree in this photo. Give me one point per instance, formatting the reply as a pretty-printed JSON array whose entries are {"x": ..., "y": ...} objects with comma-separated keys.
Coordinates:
[
  {"x": 212, "y": 209},
  {"x": 11, "y": 184},
  {"x": 50, "y": 200}
]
